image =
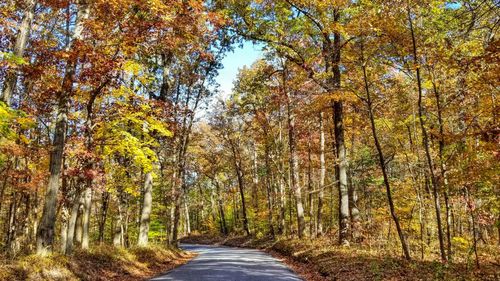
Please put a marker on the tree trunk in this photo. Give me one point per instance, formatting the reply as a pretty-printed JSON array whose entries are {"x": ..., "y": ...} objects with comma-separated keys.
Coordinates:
[
  {"x": 119, "y": 230},
  {"x": 310, "y": 188},
  {"x": 341, "y": 173},
  {"x": 241, "y": 185},
  {"x": 255, "y": 186},
  {"x": 338, "y": 130},
  {"x": 382, "y": 163},
  {"x": 146, "y": 210},
  {"x": 79, "y": 225},
  {"x": 281, "y": 178},
  {"x": 45, "y": 234},
  {"x": 221, "y": 208},
  {"x": 294, "y": 169},
  {"x": 87, "y": 205},
  {"x": 186, "y": 215},
  {"x": 19, "y": 47},
  {"x": 103, "y": 216},
  {"x": 321, "y": 193},
  {"x": 425, "y": 140},
  {"x": 70, "y": 231},
  {"x": 444, "y": 174}
]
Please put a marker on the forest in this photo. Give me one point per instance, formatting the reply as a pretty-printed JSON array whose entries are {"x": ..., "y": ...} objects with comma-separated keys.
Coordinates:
[{"x": 366, "y": 134}]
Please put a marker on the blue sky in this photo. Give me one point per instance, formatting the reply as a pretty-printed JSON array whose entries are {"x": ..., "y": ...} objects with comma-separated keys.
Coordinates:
[{"x": 235, "y": 61}]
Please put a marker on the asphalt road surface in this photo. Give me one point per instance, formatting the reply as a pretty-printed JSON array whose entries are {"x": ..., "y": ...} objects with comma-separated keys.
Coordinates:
[{"x": 216, "y": 263}]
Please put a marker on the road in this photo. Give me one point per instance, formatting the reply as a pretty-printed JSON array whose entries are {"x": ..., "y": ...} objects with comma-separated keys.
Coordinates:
[{"x": 215, "y": 263}]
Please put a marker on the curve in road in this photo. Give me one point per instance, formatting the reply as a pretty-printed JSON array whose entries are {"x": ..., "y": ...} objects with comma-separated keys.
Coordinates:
[{"x": 215, "y": 263}]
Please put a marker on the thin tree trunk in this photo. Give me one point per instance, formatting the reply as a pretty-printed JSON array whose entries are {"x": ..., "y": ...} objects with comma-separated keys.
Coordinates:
[
  {"x": 425, "y": 139},
  {"x": 146, "y": 210},
  {"x": 269, "y": 189},
  {"x": 186, "y": 215},
  {"x": 382, "y": 163},
  {"x": 103, "y": 215},
  {"x": 444, "y": 174},
  {"x": 221, "y": 209},
  {"x": 255, "y": 186},
  {"x": 119, "y": 230},
  {"x": 470, "y": 207},
  {"x": 19, "y": 48},
  {"x": 310, "y": 188},
  {"x": 319, "y": 217},
  {"x": 11, "y": 222},
  {"x": 294, "y": 169}
]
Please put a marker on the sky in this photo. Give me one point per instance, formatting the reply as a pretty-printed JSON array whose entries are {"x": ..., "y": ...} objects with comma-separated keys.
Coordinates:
[{"x": 233, "y": 62}]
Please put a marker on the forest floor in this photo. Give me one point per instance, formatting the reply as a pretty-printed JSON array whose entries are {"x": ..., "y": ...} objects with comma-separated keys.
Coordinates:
[
  {"x": 98, "y": 264},
  {"x": 319, "y": 259}
]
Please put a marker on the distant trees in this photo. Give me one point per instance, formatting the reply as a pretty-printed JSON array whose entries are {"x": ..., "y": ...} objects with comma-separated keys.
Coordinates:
[{"x": 384, "y": 68}]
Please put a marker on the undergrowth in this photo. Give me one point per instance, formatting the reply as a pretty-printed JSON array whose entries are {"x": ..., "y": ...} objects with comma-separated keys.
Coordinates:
[
  {"x": 332, "y": 262},
  {"x": 99, "y": 263}
]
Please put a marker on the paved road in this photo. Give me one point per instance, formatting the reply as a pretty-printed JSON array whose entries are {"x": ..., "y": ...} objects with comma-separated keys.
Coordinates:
[{"x": 216, "y": 263}]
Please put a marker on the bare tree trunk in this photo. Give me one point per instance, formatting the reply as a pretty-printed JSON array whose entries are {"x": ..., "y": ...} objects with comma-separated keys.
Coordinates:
[
  {"x": 221, "y": 208},
  {"x": 45, "y": 234},
  {"x": 70, "y": 234},
  {"x": 87, "y": 206},
  {"x": 79, "y": 225},
  {"x": 119, "y": 230},
  {"x": 470, "y": 207},
  {"x": 382, "y": 163},
  {"x": 146, "y": 210},
  {"x": 103, "y": 215},
  {"x": 281, "y": 179},
  {"x": 186, "y": 215},
  {"x": 444, "y": 174},
  {"x": 241, "y": 185},
  {"x": 255, "y": 186},
  {"x": 294, "y": 169},
  {"x": 238, "y": 168},
  {"x": 319, "y": 216},
  {"x": 425, "y": 140},
  {"x": 19, "y": 47},
  {"x": 340, "y": 148},
  {"x": 269, "y": 188},
  {"x": 11, "y": 222},
  {"x": 341, "y": 172},
  {"x": 310, "y": 188}
]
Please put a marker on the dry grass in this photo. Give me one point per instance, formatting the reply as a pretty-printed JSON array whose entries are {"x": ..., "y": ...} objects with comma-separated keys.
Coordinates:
[
  {"x": 321, "y": 259},
  {"x": 100, "y": 263}
]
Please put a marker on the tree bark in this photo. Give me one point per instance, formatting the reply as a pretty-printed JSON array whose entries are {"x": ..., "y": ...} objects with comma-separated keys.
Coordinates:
[
  {"x": 442, "y": 166},
  {"x": 294, "y": 168},
  {"x": 70, "y": 234},
  {"x": 103, "y": 215},
  {"x": 241, "y": 184},
  {"x": 319, "y": 216},
  {"x": 45, "y": 234},
  {"x": 19, "y": 48},
  {"x": 340, "y": 149},
  {"x": 146, "y": 210},
  {"x": 425, "y": 140},
  {"x": 87, "y": 206},
  {"x": 187, "y": 217},
  {"x": 382, "y": 163},
  {"x": 310, "y": 188}
]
